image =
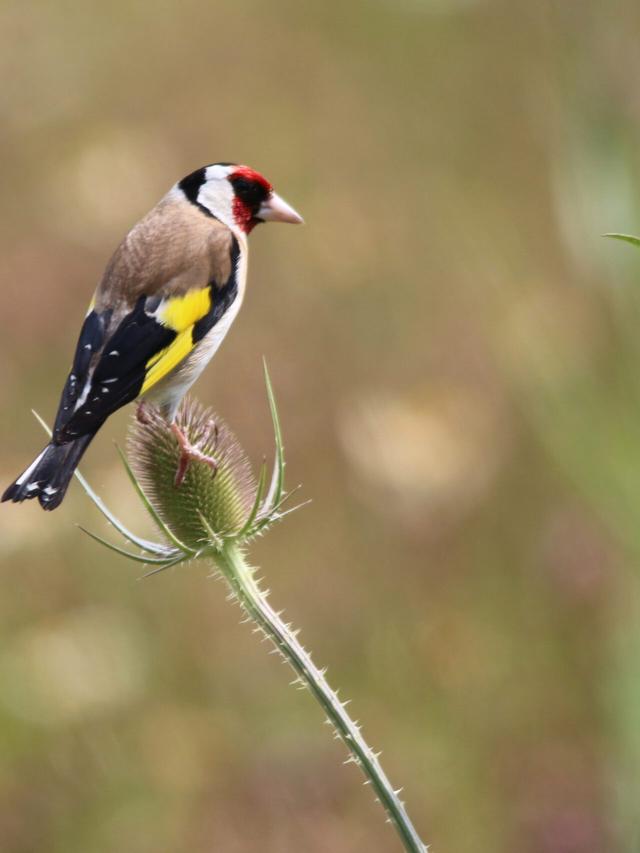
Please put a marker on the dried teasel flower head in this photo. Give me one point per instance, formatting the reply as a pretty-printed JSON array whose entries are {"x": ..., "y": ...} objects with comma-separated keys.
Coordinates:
[
  {"x": 205, "y": 501},
  {"x": 205, "y": 511}
]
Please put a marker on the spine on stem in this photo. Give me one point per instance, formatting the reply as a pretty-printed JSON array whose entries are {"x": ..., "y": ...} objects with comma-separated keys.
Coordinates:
[{"x": 241, "y": 578}]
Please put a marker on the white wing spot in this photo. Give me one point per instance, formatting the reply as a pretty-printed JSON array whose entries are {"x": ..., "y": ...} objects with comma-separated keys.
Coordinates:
[
  {"x": 84, "y": 395},
  {"x": 114, "y": 352}
]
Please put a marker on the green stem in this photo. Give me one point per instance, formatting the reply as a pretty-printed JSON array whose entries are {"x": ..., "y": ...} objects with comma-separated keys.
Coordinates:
[{"x": 241, "y": 578}]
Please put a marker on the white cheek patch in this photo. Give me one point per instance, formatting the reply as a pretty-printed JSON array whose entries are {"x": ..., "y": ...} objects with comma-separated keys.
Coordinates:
[{"x": 216, "y": 195}]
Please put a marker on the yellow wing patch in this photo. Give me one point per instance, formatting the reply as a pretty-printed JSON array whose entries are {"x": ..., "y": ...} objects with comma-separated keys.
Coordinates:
[
  {"x": 164, "y": 362},
  {"x": 179, "y": 313}
]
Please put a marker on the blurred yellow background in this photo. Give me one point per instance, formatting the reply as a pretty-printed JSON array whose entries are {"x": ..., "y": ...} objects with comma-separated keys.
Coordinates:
[{"x": 455, "y": 353}]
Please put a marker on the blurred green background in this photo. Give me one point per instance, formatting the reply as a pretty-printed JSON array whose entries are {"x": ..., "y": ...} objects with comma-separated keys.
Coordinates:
[{"x": 455, "y": 353}]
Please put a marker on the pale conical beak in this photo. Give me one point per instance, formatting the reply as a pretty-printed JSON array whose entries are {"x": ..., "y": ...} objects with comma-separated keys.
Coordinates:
[{"x": 276, "y": 209}]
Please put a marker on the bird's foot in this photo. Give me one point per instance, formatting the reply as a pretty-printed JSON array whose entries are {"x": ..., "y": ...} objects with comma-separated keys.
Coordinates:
[
  {"x": 143, "y": 415},
  {"x": 191, "y": 453}
]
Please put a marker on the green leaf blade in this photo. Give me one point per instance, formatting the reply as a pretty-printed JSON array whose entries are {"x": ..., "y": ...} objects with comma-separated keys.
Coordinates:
[{"x": 625, "y": 238}]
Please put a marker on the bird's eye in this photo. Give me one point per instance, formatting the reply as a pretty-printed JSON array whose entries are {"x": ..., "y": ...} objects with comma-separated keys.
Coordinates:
[{"x": 249, "y": 192}]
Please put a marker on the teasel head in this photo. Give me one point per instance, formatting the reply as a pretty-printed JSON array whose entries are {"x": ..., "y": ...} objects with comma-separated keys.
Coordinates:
[
  {"x": 206, "y": 500},
  {"x": 210, "y": 509}
]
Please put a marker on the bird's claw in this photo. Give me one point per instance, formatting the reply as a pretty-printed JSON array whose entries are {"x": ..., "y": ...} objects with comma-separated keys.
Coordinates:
[
  {"x": 191, "y": 453},
  {"x": 142, "y": 413}
]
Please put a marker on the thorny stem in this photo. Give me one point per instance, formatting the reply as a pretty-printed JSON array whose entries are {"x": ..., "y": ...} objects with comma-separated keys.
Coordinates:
[{"x": 241, "y": 578}]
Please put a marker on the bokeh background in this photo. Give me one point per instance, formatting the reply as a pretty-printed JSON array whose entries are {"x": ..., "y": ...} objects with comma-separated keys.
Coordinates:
[{"x": 455, "y": 353}]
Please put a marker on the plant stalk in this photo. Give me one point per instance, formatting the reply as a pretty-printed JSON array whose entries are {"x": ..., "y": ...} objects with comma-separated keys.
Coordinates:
[{"x": 241, "y": 578}]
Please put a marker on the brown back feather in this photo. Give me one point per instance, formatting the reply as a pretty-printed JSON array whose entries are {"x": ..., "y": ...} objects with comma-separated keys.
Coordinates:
[{"x": 171, "y": 250}]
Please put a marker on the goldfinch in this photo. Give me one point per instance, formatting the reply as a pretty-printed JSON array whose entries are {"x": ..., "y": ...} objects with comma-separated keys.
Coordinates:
[{"x": 166, "y": 300}]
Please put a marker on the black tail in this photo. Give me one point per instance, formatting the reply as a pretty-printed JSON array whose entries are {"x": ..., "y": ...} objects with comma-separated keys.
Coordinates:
[{"x": 49, "y": 475}]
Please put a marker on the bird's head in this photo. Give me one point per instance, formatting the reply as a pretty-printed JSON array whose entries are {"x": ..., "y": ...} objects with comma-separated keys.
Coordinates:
[{"x": 236, "y": 195}]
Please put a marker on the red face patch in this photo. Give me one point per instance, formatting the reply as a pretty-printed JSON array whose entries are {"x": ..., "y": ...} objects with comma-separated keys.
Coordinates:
[{"x": 251, "y": 189}]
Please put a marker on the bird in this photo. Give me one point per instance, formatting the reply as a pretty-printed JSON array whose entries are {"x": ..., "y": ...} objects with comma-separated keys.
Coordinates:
[{"x": 166, "y": 300}]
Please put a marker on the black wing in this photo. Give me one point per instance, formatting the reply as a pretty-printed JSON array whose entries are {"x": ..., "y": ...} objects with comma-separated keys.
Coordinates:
[
  {"x": 92, "y": 335},
  {"x": 90, "y": 396}
]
